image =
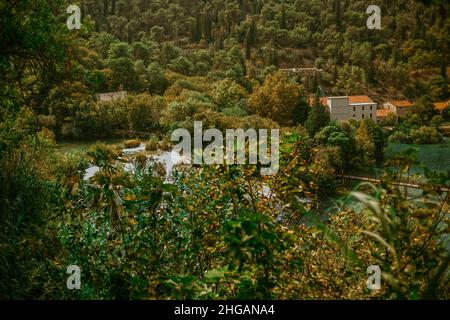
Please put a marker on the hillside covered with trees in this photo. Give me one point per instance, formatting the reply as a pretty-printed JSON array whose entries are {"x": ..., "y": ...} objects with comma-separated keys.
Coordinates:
[{"x": 211, "y": 233}]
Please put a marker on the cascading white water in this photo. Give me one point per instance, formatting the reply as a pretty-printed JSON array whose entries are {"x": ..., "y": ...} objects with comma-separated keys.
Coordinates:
[
  {"x": 90, "y": 172},
  {"x": 168, "y": 159},
  {"x": 130, "y": 151}
]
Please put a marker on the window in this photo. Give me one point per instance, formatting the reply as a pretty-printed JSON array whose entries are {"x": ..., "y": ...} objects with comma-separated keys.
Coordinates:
[
  {"x": 354, "y": 109},
  {"x": 363, "y": 115},
  {"x": 354, "y": 116},
  {"x": 370, "y": 108},
  {"x": 363, "y": 108},
  {"x": 371, "y": 115}
]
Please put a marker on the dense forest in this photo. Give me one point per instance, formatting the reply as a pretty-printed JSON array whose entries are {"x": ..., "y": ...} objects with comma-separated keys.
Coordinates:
[
  {"x": 211, "y": 233},
  {"x": 215, "y": 52}
]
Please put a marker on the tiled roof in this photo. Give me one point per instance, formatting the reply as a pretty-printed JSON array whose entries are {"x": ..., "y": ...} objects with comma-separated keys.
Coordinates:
[
  {"x": 401, "y": 103},
  {"x": 383, "y": 113},
  {"x": 441, "y": 105},
  {"x": 351, "y": 100},
  {"x": 359, "y": 99}
]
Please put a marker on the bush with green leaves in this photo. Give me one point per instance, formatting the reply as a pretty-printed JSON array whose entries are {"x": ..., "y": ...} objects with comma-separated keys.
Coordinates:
[
  {"x": 426, "y": 135},
  {"x": 399, "y": 137}
]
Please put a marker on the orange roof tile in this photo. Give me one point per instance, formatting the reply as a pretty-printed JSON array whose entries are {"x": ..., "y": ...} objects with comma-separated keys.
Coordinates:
[
  {"x": 441, "y": 105},
  {"x": 383, "y": 113},
  {"x": 351, "y": 100},
  {"x": 359, "y": 99},
  {"x": 401, "y": 103}
]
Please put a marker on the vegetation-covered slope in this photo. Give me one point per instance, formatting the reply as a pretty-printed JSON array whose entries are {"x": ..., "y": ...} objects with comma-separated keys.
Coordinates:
[{"x": 212, "y": 234}]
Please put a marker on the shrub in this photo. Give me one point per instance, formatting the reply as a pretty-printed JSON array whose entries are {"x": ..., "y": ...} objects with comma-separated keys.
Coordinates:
[
  {"x": 415, "y": 120},
  {"x": 234, "y": 111},
  {"x": 446, "y": 113},
  {"x": 67, "y": 130},
  {"x": 437, "y": 120},
  {"x": 152, "y": 144},
  {"x": 426, "y": 135},
  {"x": 275, "y": 99},
  {"x": 70, "y": 165},
  {"x": 141, "y": 160},
  {"x": 47, "y": 121},
  {"x": 144, "y": 112},
  {"x": 132, "y": 144},
  {"x": 257, "y": 122},
  {"x": 181, "y": 65},
  {"x": 390, "y": 120},
  {"x": 164, "y": 144},
  {"x": 227, "y": 93},
  {"x": 399, "y": 137},
  {"x": 117, "y": 148}
]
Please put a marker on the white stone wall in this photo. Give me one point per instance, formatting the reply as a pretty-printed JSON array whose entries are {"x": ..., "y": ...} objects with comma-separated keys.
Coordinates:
[
  {"x": 339, "y": 108},
  {"x": 110, "y": 96},
  {"x": 363, "y": 111}
]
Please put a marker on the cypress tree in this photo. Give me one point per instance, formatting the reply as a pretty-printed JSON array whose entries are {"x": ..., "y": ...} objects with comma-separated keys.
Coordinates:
[
  {"x": 318, "y": 116},
  {"x": 283, "y": 24},
  {"x": 195, "y": 29},
  {"x": 250, "y": 39}
]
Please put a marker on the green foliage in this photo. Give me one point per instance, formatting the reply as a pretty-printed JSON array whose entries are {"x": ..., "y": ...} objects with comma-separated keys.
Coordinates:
[
  {"x": 152, "y": 144},
  {"x": 437, "y": 120},
  {"x": 156, "y": 80},
  {"x": 426, "y": 135},
  {"x": 235, "y": 111},
  {"x": 217, "y": 232},
  {"x": 318, "y": 117},
  {"x": 227, "y": 93},
  {"x": 424, "y": 108},
  {"x": 406, "y": 240},
  {"x": 419, "y": 135},
  {"x": 132, "y": 144},
  {"x": 333, "y": 135},
  {"x": 399, "y": 137},
  {"x": 365, "y": 145},
  {"x": 144, "y": 112},
  {"x": 276, "y": 99},
  {"x": 301, "y": 111}
]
